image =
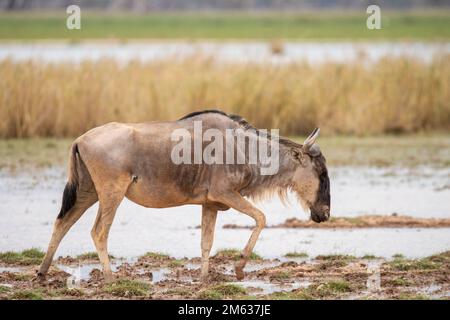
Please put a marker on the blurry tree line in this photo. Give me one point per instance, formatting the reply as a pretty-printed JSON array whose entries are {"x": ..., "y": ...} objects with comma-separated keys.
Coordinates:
[{"x": 166, "y": 5}]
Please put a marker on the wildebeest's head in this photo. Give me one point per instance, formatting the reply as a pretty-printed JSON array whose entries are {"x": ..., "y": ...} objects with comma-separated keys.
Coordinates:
[{"x": 310, "y": 181}]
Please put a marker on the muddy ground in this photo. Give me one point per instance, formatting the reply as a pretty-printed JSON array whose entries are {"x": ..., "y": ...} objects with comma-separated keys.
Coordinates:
[{"x": 294, "y": 276}]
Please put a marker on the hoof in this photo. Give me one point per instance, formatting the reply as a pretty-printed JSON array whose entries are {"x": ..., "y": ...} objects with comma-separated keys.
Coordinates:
[
  {"x": 239, "y": 272},
  {"x": 40, "y": 277}
]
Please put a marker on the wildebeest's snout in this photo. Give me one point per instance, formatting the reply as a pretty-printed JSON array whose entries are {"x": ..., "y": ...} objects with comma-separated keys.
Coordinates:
[{"x": 320, "y": 213}]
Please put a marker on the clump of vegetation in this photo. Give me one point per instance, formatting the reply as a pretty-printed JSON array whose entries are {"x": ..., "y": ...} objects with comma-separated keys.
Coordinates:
[
  {"x": 333, "y": 261},
  {"x": 402, "y": 264},
  {"x": 296, "y": 255},
  {"x": 412, "y": 296},
  {"x": 221, "y": 291},
  {"x": 336, "y": 257},
  {"x": 27, "y": 295},
  {"x": 127, "y": 288},
  {"x": 74, "y": 292},
  {"x": 4, "y": 289},
  {"x": 183, "y": 292},
  {"x": 157, "y": 255},
  {"x": 329, "y": 289},
  {"x": 88, "y": 256},
  {"x": 91, "y": 256},
  {"x": 369, "y": 257},
  {"x": 26, "y": 257},
  {"x": 235, "y": 254},
  {"x": 399, "y": 282},
  {"x": 300, "y": 294},
  {"x": 281, "y": 275},
  {"x": 22, "y": 276},
  {"x": 176, "y": 263},
  {"x": 325, "y": 265},
  {"x": 443, "y": 258}
]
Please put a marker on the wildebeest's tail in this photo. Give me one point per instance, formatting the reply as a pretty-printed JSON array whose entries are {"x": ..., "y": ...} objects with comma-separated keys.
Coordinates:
[{"x": 70, "y": 190}]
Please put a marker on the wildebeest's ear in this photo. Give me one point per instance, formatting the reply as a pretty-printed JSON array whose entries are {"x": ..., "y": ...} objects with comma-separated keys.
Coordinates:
[
  {"x": 309, "y": 142},
  {"x": 314, "y": 151}
]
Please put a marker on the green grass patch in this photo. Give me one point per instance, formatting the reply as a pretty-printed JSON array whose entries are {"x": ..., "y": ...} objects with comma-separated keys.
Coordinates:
[
  {"x": 336, "y": 257},
  {"x": 399, "y": 282},
  {"x": 235, "y": 254},
  {"x": 73, "y": 292},
  {"x": 157, "y": 255},
  {"x": 176, "y": 263},
  {"x": 221, "y": 291},
  {"x": 183, "y": 292},
  {"x": 26, "y": 257},
  {"x": 329, "y": 289},
  {"x": 27, "y": 295},
  {"x": 443, "y": 258},
  {"x": 22, "y": 277},
  {"x": 35, "y": 153},
  {"x": 412, "y": 296},
  {"x": 88, "y": 256},
  {"x": 281, "y": 275},
  {"x": 296, "y": 255},
  {"x": 402, "y": 264},
  {"x": 351, "y": 25},
  {"x": 369, "y": 257},
  {"x": 91, "y": 256},
  {"x": 127, "y": 288},
  {"x": 4, "y": 289},
  {"x": 300, "y": 294},
  {"x": 333, "y": 261}
]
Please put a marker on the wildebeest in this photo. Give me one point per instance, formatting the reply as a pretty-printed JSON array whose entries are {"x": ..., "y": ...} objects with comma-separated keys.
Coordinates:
[{"x": 120, "y": 160}]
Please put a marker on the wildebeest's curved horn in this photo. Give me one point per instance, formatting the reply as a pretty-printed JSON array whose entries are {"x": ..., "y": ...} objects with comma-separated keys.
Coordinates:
[{"x": 311, "y": 139}]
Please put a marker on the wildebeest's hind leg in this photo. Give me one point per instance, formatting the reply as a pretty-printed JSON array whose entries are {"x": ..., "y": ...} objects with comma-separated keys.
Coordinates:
[
  {"x": 209, "y": 215},
  {"x": 236, "y": 201},
  {"x": 110, "y": 196},
  {"x": 85, "y": 198}
]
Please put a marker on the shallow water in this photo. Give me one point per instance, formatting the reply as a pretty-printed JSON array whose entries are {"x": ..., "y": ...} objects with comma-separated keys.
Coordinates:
[
  {"x": 11, "y": 269},
  {"x": 29, "y": 203},
  {"x": 260, "y": 287},
  {"x": 82, "y": 272},
  {"x": 250, "y": 51}
]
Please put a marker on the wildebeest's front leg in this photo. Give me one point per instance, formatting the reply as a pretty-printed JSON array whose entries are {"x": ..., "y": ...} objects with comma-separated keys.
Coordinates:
[
  {"x": 236, "y": 201},
  {"x": 209, "y": 215}
]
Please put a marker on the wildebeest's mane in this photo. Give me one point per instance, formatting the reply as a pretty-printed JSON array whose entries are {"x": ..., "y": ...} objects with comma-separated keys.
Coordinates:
[
  {"x": 196, "y": 113},
  {"x": 244, "y": 124}
]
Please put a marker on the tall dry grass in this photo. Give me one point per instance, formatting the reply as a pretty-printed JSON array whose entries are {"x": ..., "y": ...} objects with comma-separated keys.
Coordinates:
[{"x": 392, "y": 95}]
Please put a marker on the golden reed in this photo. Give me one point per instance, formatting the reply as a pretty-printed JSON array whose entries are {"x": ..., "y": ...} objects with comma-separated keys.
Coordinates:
[{"x": 65, "y": 100}]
